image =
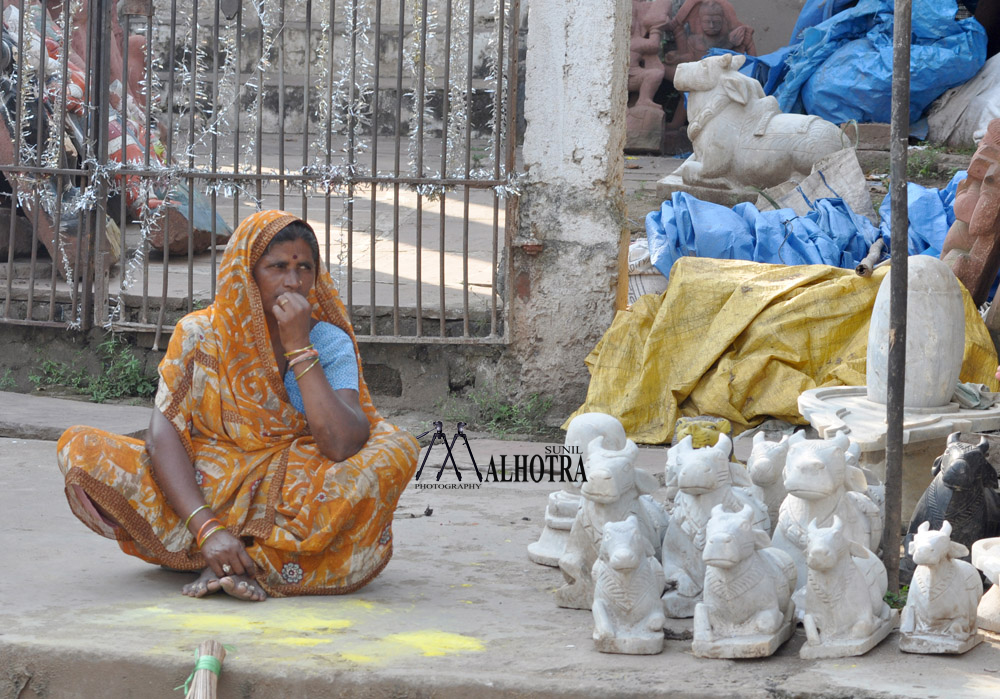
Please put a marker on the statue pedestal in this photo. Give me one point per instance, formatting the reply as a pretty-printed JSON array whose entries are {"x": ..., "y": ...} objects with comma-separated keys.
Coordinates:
[
  {"x": 559, "y": 515},
  {"x": 938, "y": 644},
  {"x": 925, "y": 431},
  {"x": 842, "y": 648},
  {"x": 644, "y": 129}
]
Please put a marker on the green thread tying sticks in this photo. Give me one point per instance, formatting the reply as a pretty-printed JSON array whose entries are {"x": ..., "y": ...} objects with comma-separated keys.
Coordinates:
[{"x": 208, "y": 656}]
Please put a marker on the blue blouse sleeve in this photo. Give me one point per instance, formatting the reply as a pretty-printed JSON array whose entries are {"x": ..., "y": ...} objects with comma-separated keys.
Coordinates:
[{"x": 336, "y": 357}]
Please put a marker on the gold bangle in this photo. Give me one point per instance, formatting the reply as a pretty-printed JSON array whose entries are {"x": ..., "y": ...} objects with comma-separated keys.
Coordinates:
[
  {"x": 193, "y": 513},
  {"x": 205, "y": 538},
  {"x": 298, "y": 377},
  {"x": 299, "y": 351}
]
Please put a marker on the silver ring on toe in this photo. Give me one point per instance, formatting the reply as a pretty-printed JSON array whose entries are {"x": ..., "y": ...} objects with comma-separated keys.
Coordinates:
[{"x": 226, "y": 568}]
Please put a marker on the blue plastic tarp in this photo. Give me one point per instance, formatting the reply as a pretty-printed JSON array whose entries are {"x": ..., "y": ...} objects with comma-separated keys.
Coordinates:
[
  {"x": 831, "y": 234},
  {"x": 931, "y": 213},
  {"x": 842, "y": 67}
]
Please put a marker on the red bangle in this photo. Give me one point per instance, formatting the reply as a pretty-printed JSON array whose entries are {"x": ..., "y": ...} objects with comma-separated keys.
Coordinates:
[{"x": 203, "y": 527}]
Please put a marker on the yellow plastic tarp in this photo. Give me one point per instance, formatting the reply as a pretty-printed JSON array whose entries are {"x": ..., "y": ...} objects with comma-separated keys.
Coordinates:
[{"x": 741, "y": 340}]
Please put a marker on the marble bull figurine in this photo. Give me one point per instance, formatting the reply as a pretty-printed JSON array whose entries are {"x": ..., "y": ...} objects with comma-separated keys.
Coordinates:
[
  {"x": 704, "y": 480},
  {"x": 628, "y": 580},
  {"x": 822, "y": 485},
  {"x": 748, "y": 587},
  {"x": 740, "y": 137},
  {"x": 944, "y": 592},
  {"x": 615, "y": 489}
]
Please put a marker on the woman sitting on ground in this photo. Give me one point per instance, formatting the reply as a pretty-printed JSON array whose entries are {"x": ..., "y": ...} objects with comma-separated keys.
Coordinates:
[{"x": 266, "y": 466}]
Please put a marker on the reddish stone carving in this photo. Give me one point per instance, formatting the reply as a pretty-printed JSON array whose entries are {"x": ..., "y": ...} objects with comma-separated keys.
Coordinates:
[
  {"x": 972, "y": 246},
  {"x": 700, "y": 25},
  {"x": 644, "y": 119},
  {"x": 697, "y": 26}
]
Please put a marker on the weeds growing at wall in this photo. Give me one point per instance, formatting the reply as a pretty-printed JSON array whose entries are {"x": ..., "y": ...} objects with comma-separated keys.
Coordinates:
[
  {"x": 496, "y": 409},
  {"x": 121, "y": 374},
  {"x": 7, "y": 381}
]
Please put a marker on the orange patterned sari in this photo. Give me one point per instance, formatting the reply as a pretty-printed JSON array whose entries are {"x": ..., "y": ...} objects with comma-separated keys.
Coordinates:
[{"x": 313, "y": 526}]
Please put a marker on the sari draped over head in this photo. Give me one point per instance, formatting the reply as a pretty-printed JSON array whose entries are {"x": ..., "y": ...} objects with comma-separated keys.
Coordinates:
[{"x": 312, "y": 525}]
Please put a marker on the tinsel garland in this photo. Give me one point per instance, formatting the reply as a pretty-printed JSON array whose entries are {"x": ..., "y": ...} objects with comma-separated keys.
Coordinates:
[{"x": 345, "y": 104}]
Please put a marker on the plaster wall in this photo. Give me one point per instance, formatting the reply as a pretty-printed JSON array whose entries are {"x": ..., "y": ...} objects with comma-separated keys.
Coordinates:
[
  {"x": 566, "y": 257},
  {"x": 772, "y": 20}
]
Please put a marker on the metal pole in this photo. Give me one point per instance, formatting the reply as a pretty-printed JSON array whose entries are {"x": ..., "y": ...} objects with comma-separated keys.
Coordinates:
[{"x": 900, "y": 129}]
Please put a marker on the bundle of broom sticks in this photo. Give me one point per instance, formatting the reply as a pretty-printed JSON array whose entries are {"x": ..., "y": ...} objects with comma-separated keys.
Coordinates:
[{"x": 207, "y": 669}]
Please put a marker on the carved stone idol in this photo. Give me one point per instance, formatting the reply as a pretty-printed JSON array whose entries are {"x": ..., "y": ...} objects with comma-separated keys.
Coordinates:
[
  {"x": 628, "y": 580},
  {"x": 940, "y": 611},
  {"x": 972, "y": 246},
  {"x": 740, "y": 137},
  {"x": 844, "y": 612},
  {"x": 821, "y": 486},
  {"x": 986, "y": 557},
  {"x": 644, "y": 117},
  {"x": 963, "y": 492},
  {"x": 767, "y": 466},
  {"x": 612, "y": 493},
  {"x": 704, "y": 480},
  {"x": 701, "y": 25},
  {"x": 747, "y": 609},
  {"x": 563, "y": 504}
]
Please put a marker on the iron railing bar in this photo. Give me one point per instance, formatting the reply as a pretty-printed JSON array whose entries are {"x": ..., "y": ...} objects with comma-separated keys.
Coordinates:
[
  {"x": 148, "y": 95},
  {"x": 396, "y": 172},
  {"x": 330, "y": 107},
  {"x": 168, "y": 157},
  {"x": 305, "y": 105},
  {"x": 237, "y": 108},
  {"x": 101, "y": 271},
  {"x": 468, "y": 170},
  {"x": 39, "y": 149},
  {"x": 195, "y": 49},
  {"x": 421, "y": 81},
  {"x": 443, "y": 217},
  {"x": 215, "y": 147},
  {"x": 17, "y": 157},
  {"x": 57, "y": 245},
  {"x": 497, "y": 130},
  {"x": 351, "y": 161},
  {"x": 260, "y": 121},
  {"x": 281, "y": 102},
  {"x": 122, "y": 179},
  {"x": 374, "y": 190}
]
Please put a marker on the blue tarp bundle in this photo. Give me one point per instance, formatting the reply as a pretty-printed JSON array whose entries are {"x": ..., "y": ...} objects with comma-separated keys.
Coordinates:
[
  {"x": 838, "y": 64},
  {"x": 831, "y": 234}
]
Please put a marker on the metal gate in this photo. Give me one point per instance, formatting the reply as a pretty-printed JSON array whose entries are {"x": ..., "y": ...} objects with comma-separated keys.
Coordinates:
[{"x": 137, "y": 134}]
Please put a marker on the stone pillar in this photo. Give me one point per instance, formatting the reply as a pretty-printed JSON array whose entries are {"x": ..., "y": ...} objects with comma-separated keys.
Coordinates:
[{"x": 571, "y": 243}]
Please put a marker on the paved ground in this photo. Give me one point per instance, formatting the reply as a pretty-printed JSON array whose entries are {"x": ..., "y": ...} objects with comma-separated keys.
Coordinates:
[{"x": 459, "y": 612}]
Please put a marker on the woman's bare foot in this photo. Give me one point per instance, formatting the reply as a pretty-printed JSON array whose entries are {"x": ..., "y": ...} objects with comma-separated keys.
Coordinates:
[
  {"x": 242, "y": 587},
  {"x": 206, "y": 584}
]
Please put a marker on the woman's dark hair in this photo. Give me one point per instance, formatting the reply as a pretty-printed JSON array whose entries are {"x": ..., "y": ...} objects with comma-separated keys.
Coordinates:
[{"x": 296, "y": 230}]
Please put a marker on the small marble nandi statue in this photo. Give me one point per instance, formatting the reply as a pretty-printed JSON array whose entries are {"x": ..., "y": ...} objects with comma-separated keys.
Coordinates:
[
  {"x": 940, "y": 611},
  {"x": 821, "y": 485},
  {"x": 614, "y": 490},
  {"x": 986, "y": 557},
  {"x": 563, "y": 504},
  {"x": 844, "y": 611},
  {"x": 704, "y": 480},
  {"x": 628, "y": 580},
  {"x": 767, "y": 466},
  {"x": 746, "y": 609}
]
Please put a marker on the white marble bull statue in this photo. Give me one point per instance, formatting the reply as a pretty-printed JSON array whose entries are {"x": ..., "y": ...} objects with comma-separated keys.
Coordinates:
[
  {"x": 615, "y": 489},
  {"x": 740, "y": 137},
  {"x": 628, "y": 580}
]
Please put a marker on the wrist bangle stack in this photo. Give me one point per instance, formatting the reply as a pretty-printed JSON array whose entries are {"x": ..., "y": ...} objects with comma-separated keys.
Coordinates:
[
  {"x": 202, "y": 539},
  {"x": 193, "y": 513},
  {"x": 299, "y": 376},
  {"x": 304, "y": 356},
  {"x": 292, "y": 353}
]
